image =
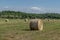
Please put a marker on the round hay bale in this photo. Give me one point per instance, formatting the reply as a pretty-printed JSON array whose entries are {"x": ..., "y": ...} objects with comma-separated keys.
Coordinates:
[
  {"x": 6, "y": 20},
  {"x": 26, "y": 20},
  {"x": 36, "y": 24},
  {"x": 48, "y": 20}
]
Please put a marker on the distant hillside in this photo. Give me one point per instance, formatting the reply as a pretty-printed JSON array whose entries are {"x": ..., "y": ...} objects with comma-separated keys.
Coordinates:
[{"x": 21, "y": 15}]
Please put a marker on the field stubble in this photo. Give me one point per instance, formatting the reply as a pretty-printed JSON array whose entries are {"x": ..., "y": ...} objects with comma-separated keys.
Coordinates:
[{"x": 18, "y": 29}]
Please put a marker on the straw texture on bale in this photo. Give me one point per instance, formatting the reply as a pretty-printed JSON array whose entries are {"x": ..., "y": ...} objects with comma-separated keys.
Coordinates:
[{"x": 36, "y": 24}]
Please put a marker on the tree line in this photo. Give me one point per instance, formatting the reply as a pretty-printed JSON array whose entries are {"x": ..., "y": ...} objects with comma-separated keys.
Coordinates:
[{"x": 23, "y": 15}]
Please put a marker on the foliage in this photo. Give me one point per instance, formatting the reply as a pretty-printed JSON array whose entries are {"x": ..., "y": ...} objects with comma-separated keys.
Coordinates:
[{"x": 23, "y": 15}]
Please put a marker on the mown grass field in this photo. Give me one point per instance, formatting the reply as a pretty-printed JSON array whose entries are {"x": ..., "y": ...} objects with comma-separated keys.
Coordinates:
[{"x": 18, "y": 29}]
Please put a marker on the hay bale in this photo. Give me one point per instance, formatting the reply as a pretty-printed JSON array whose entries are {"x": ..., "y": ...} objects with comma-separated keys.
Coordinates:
[
  {"x": 6, "y": 20},
  {"x": 47, "y": 19},
  {"x": 26, "y": 20},
  {"x": 36, "y": 24}
]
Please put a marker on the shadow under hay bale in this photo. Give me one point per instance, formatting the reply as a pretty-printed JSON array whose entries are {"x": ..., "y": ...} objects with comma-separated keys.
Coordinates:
[{"x": 36, "y": 24}]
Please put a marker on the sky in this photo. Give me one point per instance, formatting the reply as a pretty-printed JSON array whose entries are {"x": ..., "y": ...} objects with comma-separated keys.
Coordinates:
[{"x": 31, "y": 6}]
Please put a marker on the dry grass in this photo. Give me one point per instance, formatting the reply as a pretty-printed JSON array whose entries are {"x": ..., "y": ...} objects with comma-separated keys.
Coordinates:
[{"x": 17, "y": 29}]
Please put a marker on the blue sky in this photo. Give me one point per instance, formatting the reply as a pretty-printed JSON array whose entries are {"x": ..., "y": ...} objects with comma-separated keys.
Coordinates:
[{"x": 34, "y": 6}]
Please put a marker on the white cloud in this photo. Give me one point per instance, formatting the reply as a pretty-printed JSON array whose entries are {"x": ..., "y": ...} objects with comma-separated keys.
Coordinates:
[
  {"x": 36, "y": 8},
  {"x": 33, "y": 9}
]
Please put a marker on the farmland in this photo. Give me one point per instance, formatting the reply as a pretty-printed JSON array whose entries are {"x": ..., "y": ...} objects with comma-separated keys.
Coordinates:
[{"x": 18, "y": 29}]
